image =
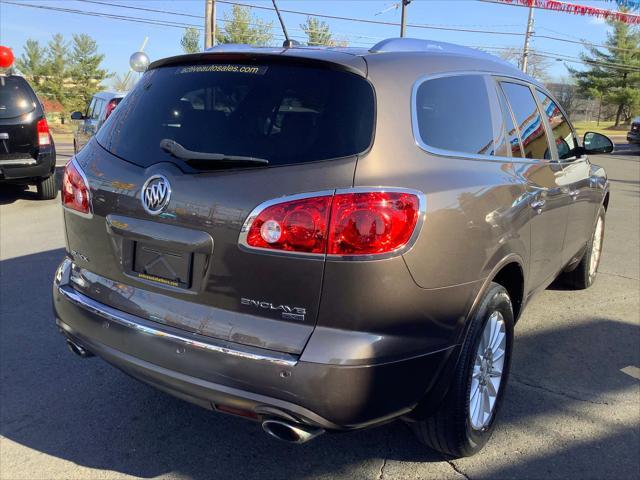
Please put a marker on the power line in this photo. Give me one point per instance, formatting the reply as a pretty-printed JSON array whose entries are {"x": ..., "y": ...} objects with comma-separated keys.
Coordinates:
[
  {"x": 156, "y": 22},
  {"x": 361, "y": 20}
]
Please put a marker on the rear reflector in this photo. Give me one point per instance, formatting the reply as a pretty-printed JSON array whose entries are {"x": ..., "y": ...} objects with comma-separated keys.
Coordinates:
[
  {"x": 362, "y": 222},
  {"x": 75, "y": 191},
  {"x": 44, "y": 137}
]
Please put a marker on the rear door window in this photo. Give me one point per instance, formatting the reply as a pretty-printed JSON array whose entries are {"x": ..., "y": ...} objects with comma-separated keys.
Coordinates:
[
  {"x": 282, "y": 113},
  {"x": 529, "y": 120},
  {"x": 16, "y": 97},
  {"x": 453, "y": 114},
  {"x": 566, "y": 141}
]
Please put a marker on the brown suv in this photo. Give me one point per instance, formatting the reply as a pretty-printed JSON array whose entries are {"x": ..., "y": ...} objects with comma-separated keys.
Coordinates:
[{"x": 327, "y": 239}]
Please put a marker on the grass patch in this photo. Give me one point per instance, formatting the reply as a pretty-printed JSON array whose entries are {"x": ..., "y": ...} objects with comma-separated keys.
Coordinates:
[{"x": 605, "y": 128}]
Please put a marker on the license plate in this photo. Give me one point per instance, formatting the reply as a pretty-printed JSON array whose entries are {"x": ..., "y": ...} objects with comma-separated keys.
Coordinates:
[{"x": 162, "y": 266}]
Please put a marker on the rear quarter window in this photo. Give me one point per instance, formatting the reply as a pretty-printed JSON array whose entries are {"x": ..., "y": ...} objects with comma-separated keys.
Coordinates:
[
  {"x": 285, "y": 114},
  {"x": 453, "y": 114}
]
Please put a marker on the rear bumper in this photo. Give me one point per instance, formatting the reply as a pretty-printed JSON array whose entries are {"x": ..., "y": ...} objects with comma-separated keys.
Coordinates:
[
  {"x": 28, "y": 167},
  {"x": 271, "y": 384},
  {"x": 633, "y": 137}
]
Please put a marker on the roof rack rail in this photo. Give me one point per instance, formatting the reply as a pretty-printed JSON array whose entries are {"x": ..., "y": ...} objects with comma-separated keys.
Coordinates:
[
  {"x": 230, "y": 47},
  {"x": 419, "y": 45}
]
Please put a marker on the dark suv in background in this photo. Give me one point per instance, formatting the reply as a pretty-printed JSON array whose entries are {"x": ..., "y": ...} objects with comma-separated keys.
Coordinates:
[
  {"x": 27, "y": 151},
  {"x": 327, "y": 239}
]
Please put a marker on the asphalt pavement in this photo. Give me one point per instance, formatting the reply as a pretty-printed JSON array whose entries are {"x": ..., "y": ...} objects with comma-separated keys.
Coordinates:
[{"x": 571, "y": 411}]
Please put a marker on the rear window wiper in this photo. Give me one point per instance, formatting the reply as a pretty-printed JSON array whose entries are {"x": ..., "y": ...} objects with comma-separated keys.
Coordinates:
[{"x": 178, "y": 151}]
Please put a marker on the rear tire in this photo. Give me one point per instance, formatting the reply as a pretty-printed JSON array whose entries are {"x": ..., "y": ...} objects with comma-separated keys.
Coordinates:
[
  {"x": 47, "y": 187},
  {"x": 462, "y": 425},
  {"x": 584, "y": 275}
]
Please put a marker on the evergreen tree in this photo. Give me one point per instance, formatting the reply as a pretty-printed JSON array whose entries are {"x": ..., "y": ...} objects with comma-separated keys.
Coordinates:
[
  {"x": 32, "y": 62},
  {"x": 242, "y": 27},
  {"x": 56, "y": 66},
  {"x": 318, "y": 32},
  {"x": 190, "y": 40},
  {"x": 613, "y": 85},
  {"x": 85, "y": 70}
]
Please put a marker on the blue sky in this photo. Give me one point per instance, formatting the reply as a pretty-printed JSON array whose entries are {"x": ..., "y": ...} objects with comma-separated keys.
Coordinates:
[{"x": 118, "y": 39}]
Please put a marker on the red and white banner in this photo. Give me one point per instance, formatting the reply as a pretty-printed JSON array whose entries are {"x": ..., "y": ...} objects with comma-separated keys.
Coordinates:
[{"x": 576, "y": 9}]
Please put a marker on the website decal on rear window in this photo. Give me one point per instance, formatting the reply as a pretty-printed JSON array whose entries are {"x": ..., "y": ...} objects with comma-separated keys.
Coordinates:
[{"x": 230, "y": 68}]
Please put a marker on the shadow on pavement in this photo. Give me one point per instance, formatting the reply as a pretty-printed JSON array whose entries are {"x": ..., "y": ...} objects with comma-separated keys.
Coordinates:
[
  {"x": 9, "y": 192},
  {"x": 87, "y": 412}
]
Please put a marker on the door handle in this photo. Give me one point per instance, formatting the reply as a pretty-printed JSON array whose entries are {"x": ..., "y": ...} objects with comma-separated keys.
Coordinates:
[{"x": 538, "y": 205}]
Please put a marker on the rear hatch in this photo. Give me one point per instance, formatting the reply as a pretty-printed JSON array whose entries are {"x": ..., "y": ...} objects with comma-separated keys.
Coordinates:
[
  {"x": 183, "y": 266},
  {"x": 19, "y": 116}
]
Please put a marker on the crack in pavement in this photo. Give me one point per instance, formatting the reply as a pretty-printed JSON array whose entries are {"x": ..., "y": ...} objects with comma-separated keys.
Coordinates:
[
  {"x": 617, "y": 275},
  {"x": 520, "y": 381},
  {"x": 384, "y": 464},
  {"x": 455, "y": 468}
]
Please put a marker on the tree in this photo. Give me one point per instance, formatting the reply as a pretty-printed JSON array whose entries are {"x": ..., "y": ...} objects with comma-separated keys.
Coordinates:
[
  {"x": 242, "y": 27},
  {"x": 537, "y": 65},
  {"x": 613, "y": 73},
  {"x": 32, "y": 62},
  {"x": 56, "y": 67},
  {"x": 85, "y": 70},
  {"x": 190, "y": 40},
  {"x": 318, "y": 32}
]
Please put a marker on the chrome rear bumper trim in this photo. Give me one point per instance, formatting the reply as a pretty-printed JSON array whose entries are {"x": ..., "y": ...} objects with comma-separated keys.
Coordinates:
[
  {"x": 128, "y": 320},
  {"x": 18, "y": 161}
]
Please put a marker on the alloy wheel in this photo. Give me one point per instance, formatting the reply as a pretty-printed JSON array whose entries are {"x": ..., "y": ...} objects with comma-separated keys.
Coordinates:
[
  {"x": 596, "y": 248},
  {"x": 487, "y": 371}
]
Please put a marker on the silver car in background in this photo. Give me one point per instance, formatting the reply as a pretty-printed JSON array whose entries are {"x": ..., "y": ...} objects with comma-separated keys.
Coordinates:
[{"x": 89, "y": 122}]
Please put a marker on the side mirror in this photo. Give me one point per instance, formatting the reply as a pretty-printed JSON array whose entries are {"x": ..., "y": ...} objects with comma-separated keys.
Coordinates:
[
  {"x": 596, "y": 143},
  {"x": 77, "y": 116}
]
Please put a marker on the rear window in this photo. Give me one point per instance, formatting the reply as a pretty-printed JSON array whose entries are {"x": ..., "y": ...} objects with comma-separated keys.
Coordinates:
[
  {"x": 16, "y": 97},
  {"x": 284, "y": 114}
]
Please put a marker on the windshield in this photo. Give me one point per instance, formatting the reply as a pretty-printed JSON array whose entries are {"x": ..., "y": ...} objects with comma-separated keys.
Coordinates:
[
  {"x": 15, "y": 97},
  {"x": 280, "y": 113}
]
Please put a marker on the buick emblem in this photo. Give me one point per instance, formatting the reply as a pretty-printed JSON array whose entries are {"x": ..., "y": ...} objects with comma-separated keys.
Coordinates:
[{"x": 155, "y": 194}]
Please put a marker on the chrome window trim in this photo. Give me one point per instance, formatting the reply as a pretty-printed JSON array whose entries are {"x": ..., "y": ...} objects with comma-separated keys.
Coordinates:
[
  {"x": 89, "y": 215},
  {"x": 129, "y": 321},
  {"x": 451, "y": 153},
  {"x": 422, "y": 209}
]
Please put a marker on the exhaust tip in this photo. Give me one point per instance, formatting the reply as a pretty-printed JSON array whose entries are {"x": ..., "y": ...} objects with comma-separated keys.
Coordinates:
[
  {"x": 78, "y": 350},
  {"x": 290, "y": 432}
]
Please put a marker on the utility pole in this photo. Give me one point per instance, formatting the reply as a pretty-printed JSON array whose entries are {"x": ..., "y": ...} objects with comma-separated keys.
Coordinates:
[
  {"x": 208, "y": 25},
  {"x": 527, "y": 37},
  {"x": 403, "y": 17},
  {"x": 213, "y": 23}
]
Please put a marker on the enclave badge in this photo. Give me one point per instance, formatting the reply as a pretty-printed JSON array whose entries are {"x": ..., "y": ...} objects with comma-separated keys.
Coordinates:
[
  {"x": 155, "y": 194},
  {"x": 288, "y": 313}
]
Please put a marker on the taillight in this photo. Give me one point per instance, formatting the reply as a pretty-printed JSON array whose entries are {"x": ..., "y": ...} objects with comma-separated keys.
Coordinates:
[
  {"x": 110, "y": 106},
  {"x": 297, "y": 225},
  {"x": 44, "y": 137},
  {"x": 75, "y": 191},
  {"x": 370, "y": 223},
  {"x": 363, "y": 222}
]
